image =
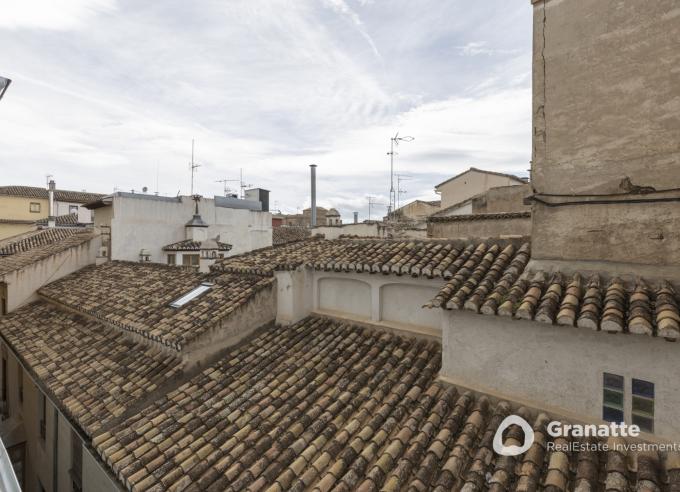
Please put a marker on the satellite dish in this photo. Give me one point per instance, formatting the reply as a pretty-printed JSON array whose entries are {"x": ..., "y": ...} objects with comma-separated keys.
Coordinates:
[{"x": 145, "y": 189}]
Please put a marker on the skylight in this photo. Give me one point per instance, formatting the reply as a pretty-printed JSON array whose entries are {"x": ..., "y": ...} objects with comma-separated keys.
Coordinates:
[{"x": 193, "y": 294}]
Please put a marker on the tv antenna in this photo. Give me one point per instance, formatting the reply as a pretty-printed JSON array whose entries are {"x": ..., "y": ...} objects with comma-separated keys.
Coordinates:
[
  {"x": 394, "y": 141},
  {"x": 371, "y": 204},
  {"x": 243, "y": 185},
  {"x": 224, "y": 183},
  {"x": 193, "y": 167},
  {"x": 400, "y": 191}
]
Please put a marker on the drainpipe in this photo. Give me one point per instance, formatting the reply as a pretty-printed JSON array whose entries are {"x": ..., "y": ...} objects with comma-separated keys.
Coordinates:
[
  {"x": 51, "y": 220},
  {"x": 313, "y": 169}
]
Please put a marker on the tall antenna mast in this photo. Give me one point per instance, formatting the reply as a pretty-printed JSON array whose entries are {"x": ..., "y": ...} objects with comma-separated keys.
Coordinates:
[
  {"x": 193, "y": 166},
  {"x": 243, "y": 185},
  {"x": 393, "y": 197}
]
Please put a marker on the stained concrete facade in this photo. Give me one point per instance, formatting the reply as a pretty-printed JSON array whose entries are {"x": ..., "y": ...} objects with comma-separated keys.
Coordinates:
[
  {"x": 606, "y": 106},
  {"x": 557, "y": 368}
]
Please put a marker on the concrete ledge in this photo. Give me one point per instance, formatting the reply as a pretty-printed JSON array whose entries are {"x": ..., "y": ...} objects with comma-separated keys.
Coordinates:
[{"x": 420, "y": 332}]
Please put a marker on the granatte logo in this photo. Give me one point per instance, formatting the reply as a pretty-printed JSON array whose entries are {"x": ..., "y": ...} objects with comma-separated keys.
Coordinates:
[
  {"x": 513, "y": 450},
  {"x": 558, "y": 429}
]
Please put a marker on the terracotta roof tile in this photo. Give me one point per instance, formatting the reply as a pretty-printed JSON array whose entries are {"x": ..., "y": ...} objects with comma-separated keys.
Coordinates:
[
  {"x": 94, "y": 372},
  {"x": 61, "y": 220},
  {"x": 35, "y": 239},
  {"x": 484, "y": 216},
  {"x": 325, "y": 405},
  {"x": 491, "y": 280},
  {"x": 41, "y": 193},
  {"x": 40, "y": 245},
  {"x": 289, "y": 234},
  {"x": 137, "y": 296},
  {"x": 427, "y": 258},
  {"x": 189, "y": 245}
]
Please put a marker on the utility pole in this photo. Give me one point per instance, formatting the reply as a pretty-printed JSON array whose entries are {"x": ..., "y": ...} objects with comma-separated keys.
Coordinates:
[
  {"x": 394, "y": 141},
  {"x": 193, "y": 167}
]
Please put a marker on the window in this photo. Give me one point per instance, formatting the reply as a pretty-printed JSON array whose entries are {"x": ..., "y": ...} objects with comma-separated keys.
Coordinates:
[
  {"x": 643, "y": 404},
  {"x": 43, "y": 416},
  {"x": 20, "y": 382},
  {"x": 73, "y": 209},
  {"x": 76, "y": 462},
  {"x": 190, "y": 260},
  {"x": 172, "y": 259},
  {"x": 204, "y": 287},
  {"x": 612, "y": 398},
  {"x": 34, "y": 207}
]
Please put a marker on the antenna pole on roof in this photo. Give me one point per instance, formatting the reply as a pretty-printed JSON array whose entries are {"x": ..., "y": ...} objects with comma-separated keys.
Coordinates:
[
  {"x": 394, "y": 141},
  {"x": 193, "y": 166}
]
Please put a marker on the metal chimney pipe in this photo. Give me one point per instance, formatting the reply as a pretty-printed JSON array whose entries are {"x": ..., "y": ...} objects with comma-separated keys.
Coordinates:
[
  {"x": 356, "y": 217},
  {"x": 51, "y": 220},
  {"x": 313, "y": 170}
]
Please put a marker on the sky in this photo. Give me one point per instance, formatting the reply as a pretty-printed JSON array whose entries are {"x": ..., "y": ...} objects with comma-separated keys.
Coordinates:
[{"x": 108, "y": 95}]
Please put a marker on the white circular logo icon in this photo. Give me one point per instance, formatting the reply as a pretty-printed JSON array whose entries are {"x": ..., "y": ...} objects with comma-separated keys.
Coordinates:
[{"x": 513, "y": 450}]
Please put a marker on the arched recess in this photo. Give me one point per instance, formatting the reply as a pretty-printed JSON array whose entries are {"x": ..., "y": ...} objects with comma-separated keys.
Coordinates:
[
  {"x": 345, "y": 295},
  {"x": 403, "y": 303}
]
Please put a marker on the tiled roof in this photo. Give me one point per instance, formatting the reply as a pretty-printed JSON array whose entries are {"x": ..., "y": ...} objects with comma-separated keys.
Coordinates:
[
  {"x": 17, "y": 221},
  {"x": 326, "y": 406},
  {"x": 41, "y": 193},
  {"x": 137, "y": 296},
  {"x": 427, "y": 258},
  {"x": 94, "y": 372},
  {"x": 40, "y": 248},
  {"x": 288, "y": 234},
  {"x": 189, "y": 245},
  {"x": 493, "y": 281},
  {"x": 62, "y": 220},
  {"x": 35, "y": 239},
  {"x": 470, "y": 217}
]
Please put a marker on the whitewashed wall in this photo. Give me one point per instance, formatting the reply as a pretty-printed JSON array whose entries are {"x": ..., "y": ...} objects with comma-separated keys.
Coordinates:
[{"x": 558, "y": 367}]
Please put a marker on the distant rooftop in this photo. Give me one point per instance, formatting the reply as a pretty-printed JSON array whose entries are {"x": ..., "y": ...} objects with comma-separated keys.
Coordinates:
[
  {"x": 474, "y": 169},
  {"x": 41, "y": 193}
]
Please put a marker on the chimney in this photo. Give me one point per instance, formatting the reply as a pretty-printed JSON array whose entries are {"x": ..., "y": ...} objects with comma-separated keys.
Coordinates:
[
  {"x": 51, "y": 220},
  {"x": 356, "y": 217},
  {"x": 313, "y": 169}
]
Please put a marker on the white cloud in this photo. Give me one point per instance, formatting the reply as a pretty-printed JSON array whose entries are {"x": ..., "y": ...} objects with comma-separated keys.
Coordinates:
[
  {"x": 269, "y": 86},
  {"x": 50, "y": 14}
]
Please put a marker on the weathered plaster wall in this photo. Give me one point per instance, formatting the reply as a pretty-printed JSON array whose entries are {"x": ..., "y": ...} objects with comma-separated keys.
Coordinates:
[
  {"x": 480, "y": 228},
  {"x": 502, "y": 199},
  {"x": 347, "y": 295},
  {"x": 23, "y": 284},
  {"x": 402, "y": 303},
  {"x": 557, "y": 366},
  {"x": 388, "y": 300},
  {"x": 94, "y": 476},
  {"x": 626, "y": 233},
  {"x": 606, "y": 105},
  {"x": 257, "y": 312}
]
